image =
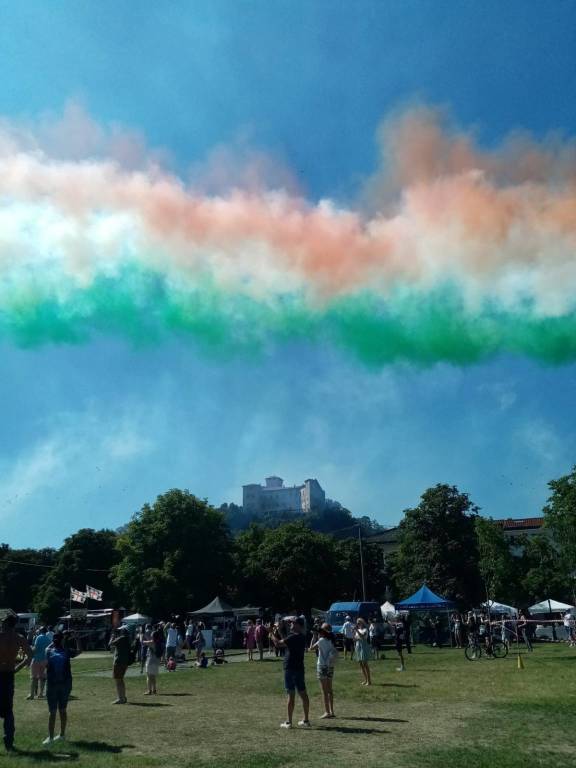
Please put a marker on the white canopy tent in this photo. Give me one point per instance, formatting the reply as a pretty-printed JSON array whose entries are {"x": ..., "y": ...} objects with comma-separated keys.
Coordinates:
[
  {"x": 136, "y": 618},
  {"x": 501, "y": 608},
  {"x": 551, "y": 606},
  {"x": 387, "y": 610}
]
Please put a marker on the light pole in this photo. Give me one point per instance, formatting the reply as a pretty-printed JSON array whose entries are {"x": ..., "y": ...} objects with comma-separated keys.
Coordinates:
[{"x": 362, "y": 563}]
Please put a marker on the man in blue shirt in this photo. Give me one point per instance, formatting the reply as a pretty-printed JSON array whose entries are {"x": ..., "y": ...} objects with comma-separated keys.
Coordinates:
[{"x": 38, "y": 666}]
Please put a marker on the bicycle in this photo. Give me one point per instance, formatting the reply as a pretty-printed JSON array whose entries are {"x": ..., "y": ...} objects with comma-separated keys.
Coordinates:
[{"x": 494, "y": 650}]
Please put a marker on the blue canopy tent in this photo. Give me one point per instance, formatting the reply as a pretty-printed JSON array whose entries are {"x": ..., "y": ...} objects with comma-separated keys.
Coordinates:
[{"x": 424, "y": 600}]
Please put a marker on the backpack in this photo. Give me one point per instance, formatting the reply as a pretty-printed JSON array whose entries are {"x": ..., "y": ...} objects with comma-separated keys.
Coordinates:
[{"x": 132, "y": 655}]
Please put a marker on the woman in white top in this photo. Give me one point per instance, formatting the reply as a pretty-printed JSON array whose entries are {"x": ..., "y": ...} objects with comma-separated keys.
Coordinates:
[{"x": 327, "y": 655}]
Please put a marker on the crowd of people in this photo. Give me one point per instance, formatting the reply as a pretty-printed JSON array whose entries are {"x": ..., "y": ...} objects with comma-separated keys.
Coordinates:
[{"x": 49, "y": 653}]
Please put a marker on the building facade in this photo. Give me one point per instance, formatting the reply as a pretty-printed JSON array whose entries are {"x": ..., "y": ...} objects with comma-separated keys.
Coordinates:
[{"x": 274, "y": 496}]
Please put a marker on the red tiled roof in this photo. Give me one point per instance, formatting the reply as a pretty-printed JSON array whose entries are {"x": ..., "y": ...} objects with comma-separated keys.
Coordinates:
[{"x": 527, "y": 522}]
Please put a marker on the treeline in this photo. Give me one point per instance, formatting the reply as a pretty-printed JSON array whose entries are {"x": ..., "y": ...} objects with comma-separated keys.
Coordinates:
[{"x": 179, "y": 552}]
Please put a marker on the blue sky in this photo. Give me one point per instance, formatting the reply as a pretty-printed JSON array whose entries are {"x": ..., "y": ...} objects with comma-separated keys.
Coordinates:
[{"x": 89, "y": 433}]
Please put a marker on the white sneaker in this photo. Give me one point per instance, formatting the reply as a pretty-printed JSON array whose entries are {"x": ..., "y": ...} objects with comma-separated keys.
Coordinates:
[
  {"x": 47, "y": 741},
  {"x": 304, "y": 723},
  {"x": 286, "y": 724},
  {"x": 400, "y": 669},
  {"x": 59, "y": 737}
]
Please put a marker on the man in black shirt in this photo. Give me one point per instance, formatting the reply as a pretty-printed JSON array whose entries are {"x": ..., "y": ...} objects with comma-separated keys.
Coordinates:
[{"x": 294, "y": 677}]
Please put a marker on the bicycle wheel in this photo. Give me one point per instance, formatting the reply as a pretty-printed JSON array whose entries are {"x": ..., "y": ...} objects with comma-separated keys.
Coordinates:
[
  {"x": 473, "y": 652},
  {"x": 499, "y": 650}
]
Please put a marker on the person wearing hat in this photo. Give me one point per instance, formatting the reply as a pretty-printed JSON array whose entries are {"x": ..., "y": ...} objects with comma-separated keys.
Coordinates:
[
  {"x": 120, "y": 642},
  {"x": 294, "y": 676},
  {"x": 12, "y": 645}
]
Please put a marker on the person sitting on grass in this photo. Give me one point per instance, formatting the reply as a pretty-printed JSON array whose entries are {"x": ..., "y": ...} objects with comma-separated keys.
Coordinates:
[
  {"x": 294, "y": 646},
  {"x": 202, "y": 663},
  {"x": 218, "y": 658},
  {"x": 59, "y": 682},
  {"x": 171, "y": 664}
]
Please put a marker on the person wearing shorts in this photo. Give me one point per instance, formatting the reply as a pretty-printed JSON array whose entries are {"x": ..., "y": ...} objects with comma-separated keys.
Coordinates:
[
  {"x": 121, "y": 644},
  {"x": 12, "y": 645},
  {"x": 294, "y": 675},
  {"x": 38, "y": 666},
  {"x": 327, "y": 655},
  {"x": 59, "y": 683}
]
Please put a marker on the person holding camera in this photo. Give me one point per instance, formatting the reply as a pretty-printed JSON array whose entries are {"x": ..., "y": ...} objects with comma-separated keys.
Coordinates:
[{"x": 294, "y": 676}]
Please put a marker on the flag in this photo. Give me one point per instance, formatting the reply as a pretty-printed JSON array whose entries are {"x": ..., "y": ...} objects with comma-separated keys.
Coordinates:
[
  {"x": 93, "y": 593},
  {"x": 77, "y": 596}
]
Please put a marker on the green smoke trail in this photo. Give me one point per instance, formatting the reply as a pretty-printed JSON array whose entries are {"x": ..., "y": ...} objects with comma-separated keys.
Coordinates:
[{"x": 147, "y": 308}]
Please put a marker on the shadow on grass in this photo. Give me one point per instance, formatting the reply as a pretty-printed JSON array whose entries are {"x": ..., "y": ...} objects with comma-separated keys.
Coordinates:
[
  {"x": 348, "y": 729},
  {"x": 101, "y": 746},
  {"x": 174, "y": 694},
  {"x": 399, "y": 685},
  {"x": 378, "y": 719},
  {"x": 148, "y": 704},
  {"x": 44, "y": 755}
]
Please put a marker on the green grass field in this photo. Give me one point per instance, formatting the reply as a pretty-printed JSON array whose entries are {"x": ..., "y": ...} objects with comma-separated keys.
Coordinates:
[{"x": 443, "y": 711}]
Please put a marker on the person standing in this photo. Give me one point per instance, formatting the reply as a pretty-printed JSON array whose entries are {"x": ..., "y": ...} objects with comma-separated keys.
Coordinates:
[
  {"x": 261, "y": 635},
  {"x": 38, "y": 666},
  {"x": 200, "y": 641},
  {"x": 567, "y": 619},
  {"x": 11, "y": 646},
  {"x": 250, "y": 639},
  {"x": 154, "y": 652},
  {"x": 327, "y": 655},
  {"x": 294, "y": 673},
  {"x": 120, "y": 642},
  {"x": 171, "y": 641},
  {"x": 399, "y": 640},
  {"x": 524, "y": 631},
  {"x": 189, "y": 635},
  {"x": 348, "y": 630},
  {"x": 362, "y": 650},
  {"x": 59, "y": 683}
]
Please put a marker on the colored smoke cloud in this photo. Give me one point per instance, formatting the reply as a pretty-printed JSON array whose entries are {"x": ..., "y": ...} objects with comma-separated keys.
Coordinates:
[{"x": 455, "y": 253}]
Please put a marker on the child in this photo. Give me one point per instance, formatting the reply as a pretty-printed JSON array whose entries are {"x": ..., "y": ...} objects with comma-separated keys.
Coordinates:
[
  {"x": 399, "y": 640},
  {"x": 58, "y": 684},
  {"x": 171, "y": 664},
  {"x": 203, "y": 663},
  {"x": 327, "y": 655},
  {"x": 219, "y": 657},
  {"x": 154, "y": 650}
]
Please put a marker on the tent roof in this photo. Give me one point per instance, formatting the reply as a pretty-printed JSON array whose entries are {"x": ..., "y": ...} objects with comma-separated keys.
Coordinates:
[
  {"x": 136, "y": 617},
  {"x": 423, "y": 600},
  {"x": 387, "y": 608},
  {"x": 215, "y": 608},
  {"x": 500, "y": 607},
  {"x": 549, "y": 606}
]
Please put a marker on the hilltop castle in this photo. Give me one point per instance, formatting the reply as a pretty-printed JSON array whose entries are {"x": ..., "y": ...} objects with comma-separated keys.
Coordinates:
[{"x": 274, "y": 496}]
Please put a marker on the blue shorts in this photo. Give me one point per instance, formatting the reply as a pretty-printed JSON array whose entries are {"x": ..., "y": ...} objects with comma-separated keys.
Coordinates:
[
  {"x": 294, "y": 680},
  {"x": 57, "y": 695}
]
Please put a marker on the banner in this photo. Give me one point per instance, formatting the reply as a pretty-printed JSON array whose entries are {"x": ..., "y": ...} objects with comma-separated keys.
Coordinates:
[
  {"x": 77, "y": 596},
  {"x": 93, "y": 593}
]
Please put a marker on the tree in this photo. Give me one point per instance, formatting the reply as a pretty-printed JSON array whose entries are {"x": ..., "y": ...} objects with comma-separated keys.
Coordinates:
[
  {"x": 437, "y": 544},
  {"x": 291, "y": 567},
  {"x": 86, "y": 557},
  {"x": 496, "y": 563},
  {"x": 175, "y": 553},
  {"x": 560, "y": 518},
  {"x": 21, "y": 572},
  {"x": 544, "y": 573},
  {"x": 349, "y": 582}
]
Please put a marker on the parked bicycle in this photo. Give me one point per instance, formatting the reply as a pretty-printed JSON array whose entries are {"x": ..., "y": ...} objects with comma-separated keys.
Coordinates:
[{"x": 493, "y": 649}]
